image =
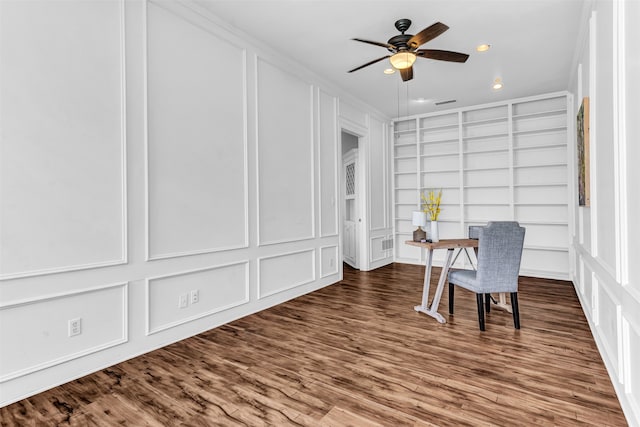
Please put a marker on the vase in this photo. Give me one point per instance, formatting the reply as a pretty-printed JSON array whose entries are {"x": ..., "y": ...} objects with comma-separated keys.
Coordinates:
[{"x": 434, "y": 232}]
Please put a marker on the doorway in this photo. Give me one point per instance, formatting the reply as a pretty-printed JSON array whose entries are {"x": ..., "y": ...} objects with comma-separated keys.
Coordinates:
[{"x": 351, "y": 200}]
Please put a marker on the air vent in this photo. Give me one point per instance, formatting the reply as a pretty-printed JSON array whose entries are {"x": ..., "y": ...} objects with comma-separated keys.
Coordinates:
[{"x": 445, "y": 102}]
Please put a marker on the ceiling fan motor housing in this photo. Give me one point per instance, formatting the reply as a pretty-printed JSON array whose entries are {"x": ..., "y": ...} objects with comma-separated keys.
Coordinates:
[{"x": 401, "y": 42}]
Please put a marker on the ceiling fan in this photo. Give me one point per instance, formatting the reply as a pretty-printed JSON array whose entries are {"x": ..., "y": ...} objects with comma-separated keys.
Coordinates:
[{"x": 404, "y": 48}]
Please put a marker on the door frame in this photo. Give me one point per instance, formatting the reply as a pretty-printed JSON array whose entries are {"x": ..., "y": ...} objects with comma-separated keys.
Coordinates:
[{"x": 362, "y": 133}]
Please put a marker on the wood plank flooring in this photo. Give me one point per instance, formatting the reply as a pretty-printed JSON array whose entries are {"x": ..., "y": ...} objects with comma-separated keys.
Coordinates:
[{"x": 356, "y": 353}]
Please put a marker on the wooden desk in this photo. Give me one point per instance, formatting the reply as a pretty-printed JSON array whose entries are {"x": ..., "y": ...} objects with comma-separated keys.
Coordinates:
[{"x": 450, "y": 245}]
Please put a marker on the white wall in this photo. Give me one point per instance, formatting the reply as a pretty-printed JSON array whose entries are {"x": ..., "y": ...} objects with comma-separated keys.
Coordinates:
[
  {"x": 606, "y": 244},
  {"x": 137, "y": 166}
]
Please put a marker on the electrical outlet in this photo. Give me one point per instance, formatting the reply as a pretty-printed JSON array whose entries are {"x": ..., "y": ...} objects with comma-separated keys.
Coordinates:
[
  {"x": 75, "y": 327},
  {"x": 183, "y": 301},
  {"x": 195, "y": 296}
]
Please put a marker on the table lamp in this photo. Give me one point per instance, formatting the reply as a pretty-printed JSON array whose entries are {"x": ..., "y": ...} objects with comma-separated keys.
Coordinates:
[{"x": 419, "y": 220}]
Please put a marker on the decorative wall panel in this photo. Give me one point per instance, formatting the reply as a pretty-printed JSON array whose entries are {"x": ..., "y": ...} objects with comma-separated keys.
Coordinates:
[
  {"x": 285, "y": 156},
  {"x": 609, "y": 323},
  {"x": 377, "y": 177},
  {"x": 282, "y": 272},
  {"x": 206, "y": 291},
  {"x": 327, "y": 147},
  {"x": 328, "y": 261},
  {"x": 42, "y": 338},
  {"x": 631, "y": 367},
  {"x": 62, "y": 154},
  {"x": 196, "y": 155}
]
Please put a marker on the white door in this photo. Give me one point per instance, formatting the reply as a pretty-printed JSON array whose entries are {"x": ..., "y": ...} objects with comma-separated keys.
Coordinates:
[{"x": 351, "y": 211}]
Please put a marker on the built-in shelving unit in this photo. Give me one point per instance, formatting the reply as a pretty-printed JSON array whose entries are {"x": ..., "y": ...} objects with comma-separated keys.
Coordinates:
[{"x": 503, "y": 161}]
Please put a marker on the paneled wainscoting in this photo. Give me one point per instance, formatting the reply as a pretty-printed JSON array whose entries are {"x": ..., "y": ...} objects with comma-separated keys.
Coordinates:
[{"x": 356, "y": 353}]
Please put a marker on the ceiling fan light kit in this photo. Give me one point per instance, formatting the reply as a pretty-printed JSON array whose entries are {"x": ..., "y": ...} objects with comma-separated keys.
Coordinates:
[
  {"x": 402, "y": 60},
  {"x": 404, "y": 48}
]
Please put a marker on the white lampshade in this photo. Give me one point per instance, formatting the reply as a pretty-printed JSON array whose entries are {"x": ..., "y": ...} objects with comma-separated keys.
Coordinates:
[
  {"x": 419, "y": 219},
  {"x": 403, "y": 60}
]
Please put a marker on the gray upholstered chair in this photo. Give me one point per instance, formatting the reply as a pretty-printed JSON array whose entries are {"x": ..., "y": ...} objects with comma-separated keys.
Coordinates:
[{"x": 499, "y": 254}]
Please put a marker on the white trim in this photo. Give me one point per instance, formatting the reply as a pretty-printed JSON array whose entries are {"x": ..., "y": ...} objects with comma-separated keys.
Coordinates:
[
  {"x": 124, "y": 337},
  {"x": 163, "y": 327},
  {"x": 145, "y": 126},
  {"x": 629, "y": 326},
  {"x": 593, "y": 139},
  {"x": 620, "y": 145},
  {"x": 124, "y": 259}
]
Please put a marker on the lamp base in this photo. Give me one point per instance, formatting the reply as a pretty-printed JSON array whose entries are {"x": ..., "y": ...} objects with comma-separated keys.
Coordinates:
[{"x": 419, "y": 235}]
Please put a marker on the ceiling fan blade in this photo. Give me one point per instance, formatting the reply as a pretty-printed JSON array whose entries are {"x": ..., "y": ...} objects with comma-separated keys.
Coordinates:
[
  {"x": 385, "y": 45},
  {"x": 442, "y": 55},
  {"x": 368, "y": 63},
  {"x": 407, "y": 74},
  {"x": 427, "y": 34}
]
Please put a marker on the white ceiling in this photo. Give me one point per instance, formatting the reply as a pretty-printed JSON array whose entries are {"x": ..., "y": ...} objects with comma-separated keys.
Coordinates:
[{"x": 532, "y": 45}]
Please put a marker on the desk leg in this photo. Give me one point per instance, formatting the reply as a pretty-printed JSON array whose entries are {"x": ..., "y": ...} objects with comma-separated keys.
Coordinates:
[
  {"x": 427, "y": 280},
  {"x": 502, "y": 303},
  {"x": 432, "y": 310}
]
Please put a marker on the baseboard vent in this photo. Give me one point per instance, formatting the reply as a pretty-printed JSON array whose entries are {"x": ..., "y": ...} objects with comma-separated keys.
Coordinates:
[{"x": 387, "y": 244}]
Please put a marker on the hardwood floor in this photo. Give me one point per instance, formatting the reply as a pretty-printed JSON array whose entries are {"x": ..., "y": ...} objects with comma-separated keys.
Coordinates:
[{"x": 356, "y": 353}]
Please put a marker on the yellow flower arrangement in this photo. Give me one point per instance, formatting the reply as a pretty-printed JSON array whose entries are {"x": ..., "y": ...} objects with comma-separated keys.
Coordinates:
[{"x": 431, "y": 204}]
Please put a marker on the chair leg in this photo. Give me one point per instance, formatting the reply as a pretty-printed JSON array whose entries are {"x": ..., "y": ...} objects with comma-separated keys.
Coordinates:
[
  {"x": 487, "y": 302},
  {"x": 451, "y": 285},
  {"x": 480, "y": 298},
  {"x": 515, "y": 309}
]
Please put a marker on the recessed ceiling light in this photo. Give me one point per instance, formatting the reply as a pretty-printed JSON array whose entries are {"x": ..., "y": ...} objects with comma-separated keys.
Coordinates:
[
  {"x": 497, "y": 84},
  {"x": 483, "y": 47},
  {"x": 421, "y": 100},
  {"x": 389, "y": 71}
]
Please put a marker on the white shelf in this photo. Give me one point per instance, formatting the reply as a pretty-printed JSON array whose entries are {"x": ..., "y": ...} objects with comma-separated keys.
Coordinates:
[
  {"x": 486, "y": 169},
  {"x": 539, "y": 147},
  {"x": 490, "y": 133},
  {"x": 439, "y": 127},
  {"x": 404, "y": 144},
  {"x": 472, "y": 187},
  {"x": 540, "y": 114},
  {"x": 439, "y": 141},
  {"x": 440, "y": 154},
  {"x": 540, "y": 204},
  {"x": 551, "y": 184},
  {"x": 552, "y": 223},
  {"x": 540, "y": 165},
  {"x": 541, "y": 131},
  {"x": 546, "y": 248},
  {"x": 487, "y": 204},
  {"x": 488, "y": 136},
  {"x": 447, "y": 187},
  {"x": 485, "y": 121},
  {"x": 440, "y": 171},
  {"x": 492, "y": 150},
  {"x": 404, "y": 132}
]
